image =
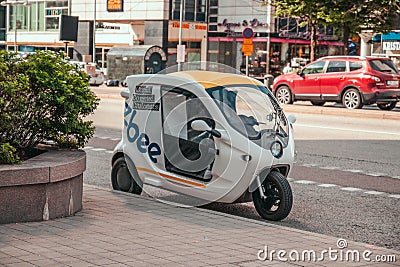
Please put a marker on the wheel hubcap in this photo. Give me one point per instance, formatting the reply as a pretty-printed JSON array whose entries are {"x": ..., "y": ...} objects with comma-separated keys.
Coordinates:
[
  {"x": 272, "y": 198},
  {"x": 351, "y": 99},
  {"x": 283, "y": 96}
]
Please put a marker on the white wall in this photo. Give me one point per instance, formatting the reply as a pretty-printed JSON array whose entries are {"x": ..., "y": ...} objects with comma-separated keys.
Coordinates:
[{"x": 132, "y": 10}]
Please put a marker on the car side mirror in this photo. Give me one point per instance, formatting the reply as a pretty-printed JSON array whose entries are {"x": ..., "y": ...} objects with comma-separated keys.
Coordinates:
[
  {"x": 300, "y": 73},
  {"x": 202, "y": 126},
  {"x": 291, "y": 119}
]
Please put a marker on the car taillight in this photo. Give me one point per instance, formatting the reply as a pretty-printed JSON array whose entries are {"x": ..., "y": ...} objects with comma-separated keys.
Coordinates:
[{"x": 374, "y": 79}]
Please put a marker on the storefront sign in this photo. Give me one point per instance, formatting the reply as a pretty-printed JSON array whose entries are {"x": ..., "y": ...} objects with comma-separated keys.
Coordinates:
[
  {"x": 254, "y": 23},
  {"x": 115, "y": 5},
  {"x": 391, "y": 46},
  {"x": 190, "y": 26}
]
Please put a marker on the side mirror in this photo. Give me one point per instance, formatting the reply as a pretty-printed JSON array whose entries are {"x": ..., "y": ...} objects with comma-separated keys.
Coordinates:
[
  {"x": 300, "y": 73},
  {"x": 202, "y": 126},
  {"x": 291, "y": 119}
]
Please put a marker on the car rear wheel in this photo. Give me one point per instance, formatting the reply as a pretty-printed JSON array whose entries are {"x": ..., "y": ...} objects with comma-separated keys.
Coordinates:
[
  {"x": 121, "y": 178},
  {"x": 318, "y": 103},
  {"x": 352, "y": 99},
  {"x": 387, "y": 106},
  {"x": 283, "y": 95}
]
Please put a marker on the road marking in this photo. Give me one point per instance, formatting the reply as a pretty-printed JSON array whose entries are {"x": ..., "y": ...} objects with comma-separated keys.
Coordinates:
[
  {"x": 374, "y": 192},
  {"x": 304, "y": 182},
  {"x": 396, "y": 177},
  {"x": 394, "y": 196},
  {"x": 351, "y": 189},
  {"x": 88, "y": 147},
  {"x": 327, "y": 185},
  {"x": 109, "y": 151},
  {"x": 115, "y": 139},
  {"x": 376, "y": 174},
  {"x": 329, "y": 168},
  {"x": 346, "y": 129},
  {"x": 98, "y": 149},
  {"x": 310, "y": 165}
]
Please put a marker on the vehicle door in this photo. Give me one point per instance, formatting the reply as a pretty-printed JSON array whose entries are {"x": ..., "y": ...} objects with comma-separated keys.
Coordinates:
[
  {"x": 309, "y": 86},
  {"x": 186, "y": 152},
  {"x": 331, "y": 82}
]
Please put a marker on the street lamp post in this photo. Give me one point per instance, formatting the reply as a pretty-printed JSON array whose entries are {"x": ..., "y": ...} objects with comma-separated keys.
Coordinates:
[{"x": 15, "y": 3}]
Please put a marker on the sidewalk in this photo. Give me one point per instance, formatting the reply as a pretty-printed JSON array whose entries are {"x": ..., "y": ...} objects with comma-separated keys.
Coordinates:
[{"x": 118, "y": 229}]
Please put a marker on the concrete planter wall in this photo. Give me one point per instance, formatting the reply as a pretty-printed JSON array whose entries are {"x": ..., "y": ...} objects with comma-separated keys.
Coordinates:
[{"x": 45, "y": 187}]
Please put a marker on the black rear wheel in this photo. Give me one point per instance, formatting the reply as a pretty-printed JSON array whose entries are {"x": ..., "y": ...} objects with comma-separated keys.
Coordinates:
[
  {"x": 122, "y": 179},
  {"x": 318, "y": 103},
  {"x": 278, "y": 199},
  {"x": 387, "y": 106}
]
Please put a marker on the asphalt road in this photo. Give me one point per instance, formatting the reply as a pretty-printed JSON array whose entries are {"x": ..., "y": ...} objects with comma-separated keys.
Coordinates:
[{"x": 345, "y": 182}]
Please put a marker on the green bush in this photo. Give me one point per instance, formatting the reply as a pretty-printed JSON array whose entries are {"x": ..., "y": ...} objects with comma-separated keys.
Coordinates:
[{"x": 42, "y": 98}]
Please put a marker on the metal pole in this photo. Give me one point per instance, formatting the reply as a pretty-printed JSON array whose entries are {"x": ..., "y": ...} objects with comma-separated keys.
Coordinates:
[
  {"x": 15, "y": 28},
  {"x": 94, "y": 33},
  {"x": 247, "y": 65},
  {"x": 267, "y": 67},
  {"x": 180, "y": 30}
]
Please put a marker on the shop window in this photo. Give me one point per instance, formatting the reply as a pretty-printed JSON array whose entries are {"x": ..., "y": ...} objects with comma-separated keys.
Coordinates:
[
  {"x": 213, "y": 3},
  {"x": 18, "y": 18},
  {"x": 212, "y": 28},
  {"x": 213, "y": 19},
  {"x": 52, "y": 13},
  {"x": 213, "y": 11}
]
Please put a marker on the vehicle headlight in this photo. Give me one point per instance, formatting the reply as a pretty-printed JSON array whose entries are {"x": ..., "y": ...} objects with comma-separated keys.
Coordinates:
[{"x": 276, "y": 149}]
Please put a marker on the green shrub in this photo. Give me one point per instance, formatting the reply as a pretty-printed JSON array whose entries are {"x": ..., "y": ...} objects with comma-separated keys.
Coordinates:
[{"x": 42, "y": 98}]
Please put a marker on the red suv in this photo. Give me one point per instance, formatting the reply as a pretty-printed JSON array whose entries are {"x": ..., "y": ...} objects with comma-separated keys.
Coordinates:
[{"x": 353, "y": 81}]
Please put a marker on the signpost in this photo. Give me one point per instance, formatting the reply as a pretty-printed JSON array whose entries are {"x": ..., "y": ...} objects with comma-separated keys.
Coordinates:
[{"x": 247, "y": 47}]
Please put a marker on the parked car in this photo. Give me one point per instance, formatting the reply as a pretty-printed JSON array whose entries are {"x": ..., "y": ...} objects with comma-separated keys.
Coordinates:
[
  {"x": 352, "y": 80},
  {"x": 96, "y": 75}
]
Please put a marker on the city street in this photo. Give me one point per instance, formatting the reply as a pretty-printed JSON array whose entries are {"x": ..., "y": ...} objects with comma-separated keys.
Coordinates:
[{"x": 346, "y": 181}]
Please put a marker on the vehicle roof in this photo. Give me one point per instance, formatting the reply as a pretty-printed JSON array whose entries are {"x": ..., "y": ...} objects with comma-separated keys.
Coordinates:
[
  {"x": 353, "y": 57},
  {"x": 209, "y": 79}
]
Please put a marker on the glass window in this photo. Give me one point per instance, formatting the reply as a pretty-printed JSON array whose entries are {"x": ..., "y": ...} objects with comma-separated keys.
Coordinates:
[
  {"x": 18, "y": 18},
  {"x": 336, "y": 66},
  {"x": 386, "y": 66},
  {"x": 313, "y": 68},
  {"x": 355, "y": 66}
]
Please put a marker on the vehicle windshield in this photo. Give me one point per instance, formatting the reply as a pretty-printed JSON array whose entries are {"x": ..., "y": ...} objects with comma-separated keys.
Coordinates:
[
  {"x": 382, "y": 65},
  {"x": 251, "y": 110}
]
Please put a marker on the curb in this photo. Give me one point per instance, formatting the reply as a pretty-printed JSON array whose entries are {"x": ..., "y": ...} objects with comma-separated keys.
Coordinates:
[{"x": 340, "y": 111}]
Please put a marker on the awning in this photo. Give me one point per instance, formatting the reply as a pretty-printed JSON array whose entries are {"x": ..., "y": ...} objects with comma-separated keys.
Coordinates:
[{"x": 390, "y": 36}]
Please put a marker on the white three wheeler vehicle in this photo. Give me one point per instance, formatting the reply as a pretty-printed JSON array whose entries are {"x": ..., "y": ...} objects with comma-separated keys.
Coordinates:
[{"x": 216, "y": 137}]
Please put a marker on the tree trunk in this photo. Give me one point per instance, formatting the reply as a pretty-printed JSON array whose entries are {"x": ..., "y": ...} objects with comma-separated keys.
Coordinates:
[
  {"x": 313, "y": 41},
  {"x": 346, "y": 35}
]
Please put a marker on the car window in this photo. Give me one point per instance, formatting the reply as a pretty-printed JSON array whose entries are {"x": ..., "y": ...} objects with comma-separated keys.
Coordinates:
[
  {"x": 355, "y": 66},
  {"x": 316, "y": 67},
  {"x": 383, "y": 65},
  {"x": 336, "y": 66}
]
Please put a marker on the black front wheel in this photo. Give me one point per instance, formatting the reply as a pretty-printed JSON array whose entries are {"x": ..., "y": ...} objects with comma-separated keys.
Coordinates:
[
  {"x": 122, "y": 179},
  {"x": 277, "y": 201},
  {"x": 387, "y": 106}
]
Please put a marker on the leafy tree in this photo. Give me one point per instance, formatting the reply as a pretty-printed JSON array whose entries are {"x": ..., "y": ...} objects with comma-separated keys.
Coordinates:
[
  {"x": 42, "y": 98},
  {"x": 356, "y": 16},
  {"x": 309, "y": 11}
]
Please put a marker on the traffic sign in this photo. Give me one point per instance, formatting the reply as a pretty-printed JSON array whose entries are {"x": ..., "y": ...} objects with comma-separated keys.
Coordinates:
[
  {"x": 247, "y": 48},
  {"x": 248, "y": 33},
  {"x": 247, "y": 41}
]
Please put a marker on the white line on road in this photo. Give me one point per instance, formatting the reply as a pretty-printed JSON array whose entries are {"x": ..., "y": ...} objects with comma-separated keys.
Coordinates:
[
  {"x": 304, "y": 182},
  {"x": 327, "y": 185},
  {"x": 98, "y": 149},
  {"x": 88, "y": 147},
  {"x": 394, "y": 196},
  {"x": 374, "y": 192},
  {"x": 351, "y": 189},
  {"x": 346, "y": 129}
]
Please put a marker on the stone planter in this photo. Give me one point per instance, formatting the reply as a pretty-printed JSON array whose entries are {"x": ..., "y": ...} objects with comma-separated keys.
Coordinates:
[{"x": 44, "y": 187}]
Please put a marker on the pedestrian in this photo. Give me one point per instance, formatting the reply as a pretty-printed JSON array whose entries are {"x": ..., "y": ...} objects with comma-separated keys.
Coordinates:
[{"x": 287, "y": 68}]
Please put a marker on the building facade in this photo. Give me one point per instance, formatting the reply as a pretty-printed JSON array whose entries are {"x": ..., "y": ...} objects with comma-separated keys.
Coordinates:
[{"x": 211, "y": 30}]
